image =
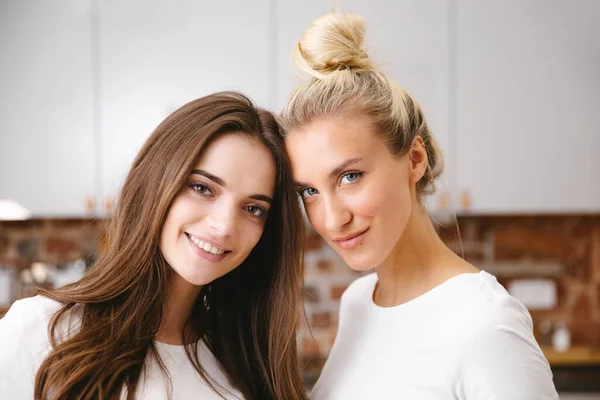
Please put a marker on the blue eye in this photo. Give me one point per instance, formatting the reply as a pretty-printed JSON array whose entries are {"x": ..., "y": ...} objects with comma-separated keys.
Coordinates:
[
  {"x": 350, "y": 177},
  {"x": 307, "y": 192},
  {"x": 201, "y": 189}
]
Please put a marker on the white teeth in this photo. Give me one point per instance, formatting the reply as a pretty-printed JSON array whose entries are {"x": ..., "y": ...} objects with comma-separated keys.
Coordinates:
[{"x": 209, "y": 248}]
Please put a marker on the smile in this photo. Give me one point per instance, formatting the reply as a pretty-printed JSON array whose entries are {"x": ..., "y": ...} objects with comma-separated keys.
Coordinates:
[
  {"x": 351, "y": 241},
  {"x": 207, "y": 246}
]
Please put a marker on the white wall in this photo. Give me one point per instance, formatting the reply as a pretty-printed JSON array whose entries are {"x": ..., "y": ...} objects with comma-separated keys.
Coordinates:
[{"x": 46, "y": 114}]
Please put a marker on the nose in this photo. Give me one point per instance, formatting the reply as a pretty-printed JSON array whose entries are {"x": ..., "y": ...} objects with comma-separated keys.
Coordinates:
[
  {"x": 337, "y": 214},
  {"x": 221, "y": 220}
]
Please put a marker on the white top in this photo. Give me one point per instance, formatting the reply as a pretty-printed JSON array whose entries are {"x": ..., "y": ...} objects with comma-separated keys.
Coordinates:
[
  {"x": 466, "y": 339},
  {"x": 24, "y": 344}
]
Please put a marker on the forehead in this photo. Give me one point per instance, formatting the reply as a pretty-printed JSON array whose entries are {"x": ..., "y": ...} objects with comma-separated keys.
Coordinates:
[
  {"x": 243, "y": 162},
  {"x": 321, "y": 146}
]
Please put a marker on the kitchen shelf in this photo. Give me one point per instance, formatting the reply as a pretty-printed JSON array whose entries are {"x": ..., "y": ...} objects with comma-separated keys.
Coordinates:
[{"x": 575, "y": 356}]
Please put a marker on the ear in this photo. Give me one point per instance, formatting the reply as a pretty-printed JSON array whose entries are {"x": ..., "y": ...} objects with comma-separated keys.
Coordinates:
[{"x": 417, "y": 156}]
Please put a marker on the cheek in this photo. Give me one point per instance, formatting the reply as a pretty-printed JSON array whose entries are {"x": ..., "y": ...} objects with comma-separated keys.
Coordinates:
[
  {"x": 366, "y": 203},
  {"x": 249, "y": 234},
  {"x": 382, "y": 200},
  {"x": 184, "y": 211},
  {"x": 316, "y": 216},
  {"x": 187, "y": 208},
  {"x": 371, "y": 200},
  {"x": 169, "y": 227},
  {"x": 395, "y": 207}
]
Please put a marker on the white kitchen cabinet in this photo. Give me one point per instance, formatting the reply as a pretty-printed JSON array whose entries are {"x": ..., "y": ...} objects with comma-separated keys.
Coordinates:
[
  {"x": 411, "y": 41},
  {"x": 510, "y": 89},
  {"x": 528, "y": 105},
  {"x": 46, "y": 105},
  {"x": 158, "y": 55}
]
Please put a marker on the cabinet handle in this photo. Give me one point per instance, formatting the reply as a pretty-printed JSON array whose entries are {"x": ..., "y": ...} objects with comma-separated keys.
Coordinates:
[
  {"x": 465, "y": 200},
  {"x": 108, "y": 205},
  {"x": 90, "y": 204},
  {"x": 444, "y": 200}
]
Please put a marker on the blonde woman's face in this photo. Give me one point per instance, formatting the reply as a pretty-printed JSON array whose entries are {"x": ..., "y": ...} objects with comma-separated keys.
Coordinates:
[
  {"x": 357, "y": 195},
  {"x": 219, "y": 215}
]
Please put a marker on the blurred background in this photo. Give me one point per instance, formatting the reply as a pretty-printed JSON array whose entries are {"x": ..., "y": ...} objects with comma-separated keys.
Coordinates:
[{"x": 511, "y": 90}]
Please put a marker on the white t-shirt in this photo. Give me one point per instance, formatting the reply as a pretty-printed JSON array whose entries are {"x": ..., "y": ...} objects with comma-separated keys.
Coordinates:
[
  {"x": 466, "y": 339},
  {"x": 24, "y": 344}
]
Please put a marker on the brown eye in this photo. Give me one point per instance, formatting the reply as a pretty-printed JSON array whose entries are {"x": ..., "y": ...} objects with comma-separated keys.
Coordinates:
[
  {"x": 256, "y": 211},
  {"x": 201, "y": 189}
]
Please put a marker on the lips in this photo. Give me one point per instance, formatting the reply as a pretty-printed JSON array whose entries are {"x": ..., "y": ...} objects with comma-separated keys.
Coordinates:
[
  {"x": 352, "y": 240},
  {"x": 207, "y": 246},
  {"x": 207, "y": 249}
]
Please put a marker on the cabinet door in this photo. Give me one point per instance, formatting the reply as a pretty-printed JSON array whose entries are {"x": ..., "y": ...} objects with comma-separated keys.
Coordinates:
[
  {"x": 158, "y": 55},
  {"x": 46, "y": 107},
  {"x": 528, "y": 105},
  {"x": 410, "y": 38}
]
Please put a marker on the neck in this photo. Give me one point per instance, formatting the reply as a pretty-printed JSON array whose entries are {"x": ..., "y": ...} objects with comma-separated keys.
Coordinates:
[
  {"x": 419, "y": 262},
  {"x": 182, "y": 297}
]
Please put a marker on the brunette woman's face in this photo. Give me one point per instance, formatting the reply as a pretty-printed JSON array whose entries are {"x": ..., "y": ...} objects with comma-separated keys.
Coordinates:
[
  {"x": 219, "y": 215},
  {"x": 357, "y": 195}
]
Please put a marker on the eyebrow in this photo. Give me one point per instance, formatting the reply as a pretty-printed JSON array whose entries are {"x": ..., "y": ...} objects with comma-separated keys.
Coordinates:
[
  {"x": 262, "y": 197},
  {"x": 339, "y": 169},
  {"x": 335, "y": 172},
  {"x": 210, "y": 176},
  {"x": 221, "y": 182}
]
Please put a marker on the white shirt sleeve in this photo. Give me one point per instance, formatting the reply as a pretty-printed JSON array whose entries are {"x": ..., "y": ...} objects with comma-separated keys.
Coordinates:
[
  {"x": 24, "y": 345},
  {"x": 498, "y": 356},
  {"x": 17, "y": 366}
]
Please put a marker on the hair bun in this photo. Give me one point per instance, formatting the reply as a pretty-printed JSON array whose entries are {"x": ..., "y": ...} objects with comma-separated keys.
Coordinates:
[{"x": 333, "y": 42}]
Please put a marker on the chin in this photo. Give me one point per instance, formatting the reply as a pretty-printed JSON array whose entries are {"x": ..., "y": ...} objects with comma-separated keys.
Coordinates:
[
  {"x": 361, "y": 262},
  {"x": 199, "y": 282},
  {"x": 198, "y": 279}
]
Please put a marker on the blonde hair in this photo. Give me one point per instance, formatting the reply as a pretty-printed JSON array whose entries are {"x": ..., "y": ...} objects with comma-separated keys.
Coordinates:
[{"x": 345, "y": 81}]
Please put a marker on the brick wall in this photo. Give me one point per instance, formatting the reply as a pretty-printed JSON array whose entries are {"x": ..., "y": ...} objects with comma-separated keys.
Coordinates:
[{"x": 565, "y": 249}]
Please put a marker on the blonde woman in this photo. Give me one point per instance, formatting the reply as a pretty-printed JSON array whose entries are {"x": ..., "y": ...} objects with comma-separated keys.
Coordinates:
[{"x": 426, "y": 324}]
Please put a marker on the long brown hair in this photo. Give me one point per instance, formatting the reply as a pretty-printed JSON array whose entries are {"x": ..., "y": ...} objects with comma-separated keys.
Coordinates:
[{"x": 247, "y": 318}]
